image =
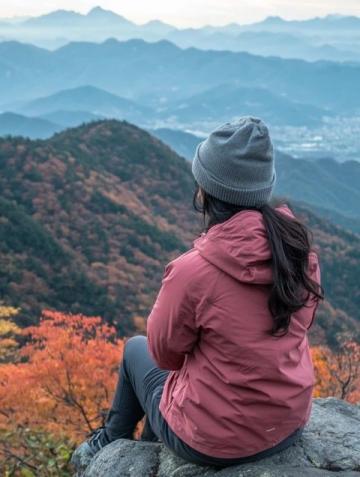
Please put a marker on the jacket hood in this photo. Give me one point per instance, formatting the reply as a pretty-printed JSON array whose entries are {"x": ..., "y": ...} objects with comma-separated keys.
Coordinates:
[{"x": 240, "y": 247}]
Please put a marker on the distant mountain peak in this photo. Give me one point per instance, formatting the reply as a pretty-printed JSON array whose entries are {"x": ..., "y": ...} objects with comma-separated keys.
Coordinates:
[
  {"x": 98, "y": 10},
  {"x": 96, "y": 14},
  {"x": 274, "y": 19},
  {"x": 55, "y": 15},
  {"x": 159, "y": 25},
  {"x": 156, "y": 23},
  {"x": 61, "y": 11},
  {"x": 99, "y": 13}
]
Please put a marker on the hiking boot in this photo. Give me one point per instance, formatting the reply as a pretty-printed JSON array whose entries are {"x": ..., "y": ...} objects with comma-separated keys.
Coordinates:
[
  {"x": 98, "y": 439},
  {"x": 83, "y": 454}
]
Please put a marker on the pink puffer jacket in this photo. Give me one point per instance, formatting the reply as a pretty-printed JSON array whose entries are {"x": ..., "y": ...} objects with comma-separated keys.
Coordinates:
[{"x": 233, "y": 390}]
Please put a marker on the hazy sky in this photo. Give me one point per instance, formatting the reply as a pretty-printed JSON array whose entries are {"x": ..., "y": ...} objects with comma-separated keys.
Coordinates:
[{"x": 189, "y": 12}]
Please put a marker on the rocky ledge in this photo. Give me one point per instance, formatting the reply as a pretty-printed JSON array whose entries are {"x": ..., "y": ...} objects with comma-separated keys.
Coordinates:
[{"x": 329, "y": 446}]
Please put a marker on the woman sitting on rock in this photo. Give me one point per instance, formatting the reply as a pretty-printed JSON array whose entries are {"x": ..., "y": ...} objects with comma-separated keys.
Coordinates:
[{"x": 224, "y": 375}]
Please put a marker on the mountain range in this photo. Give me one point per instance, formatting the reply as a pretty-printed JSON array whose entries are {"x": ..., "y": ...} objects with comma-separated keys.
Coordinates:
[
  {"x": 97, "y": 102},
  {"x": 90, "y": 217},
  {"x": 329, "y": 186},
  {"x": 222, "y": 102},
  {"x": 12, "y": 124},
  {"x": 153, "y": 85},
  {"x": 217, "y": 104},
  {"x": 161, "y": 74},
  {"x": 314, "y": 39}
]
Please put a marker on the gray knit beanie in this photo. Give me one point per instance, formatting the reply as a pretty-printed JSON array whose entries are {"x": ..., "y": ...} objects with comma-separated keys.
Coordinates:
[{"x": 236, "y": 163}]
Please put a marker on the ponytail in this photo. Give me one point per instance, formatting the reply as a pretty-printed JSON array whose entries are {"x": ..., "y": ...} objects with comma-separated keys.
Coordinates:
[{"x": 290, "y": 243}]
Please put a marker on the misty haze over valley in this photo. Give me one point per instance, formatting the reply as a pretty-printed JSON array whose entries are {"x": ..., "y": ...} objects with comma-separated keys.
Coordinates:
[{"x": 65, "y": 68}]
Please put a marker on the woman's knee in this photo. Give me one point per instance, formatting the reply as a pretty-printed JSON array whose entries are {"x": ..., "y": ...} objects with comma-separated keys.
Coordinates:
[
  {"x": 132, "y": 345},
  {"x": 131, "y": 350}
]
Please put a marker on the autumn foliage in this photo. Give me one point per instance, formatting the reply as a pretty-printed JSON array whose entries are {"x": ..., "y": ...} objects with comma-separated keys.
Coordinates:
[
  {"x": 58, "y": 386},
  {"x": 62, "y": 385},
  {"x": 337, "y": 372},
  {"x": 67, "y": 378}
]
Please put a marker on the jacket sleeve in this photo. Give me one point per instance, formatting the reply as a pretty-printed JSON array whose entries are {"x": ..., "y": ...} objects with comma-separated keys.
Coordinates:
[{"x": 171, "y": 326}]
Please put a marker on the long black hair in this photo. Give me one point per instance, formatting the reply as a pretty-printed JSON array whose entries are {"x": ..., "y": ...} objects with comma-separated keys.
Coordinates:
[{"x": 290, "y": 244}]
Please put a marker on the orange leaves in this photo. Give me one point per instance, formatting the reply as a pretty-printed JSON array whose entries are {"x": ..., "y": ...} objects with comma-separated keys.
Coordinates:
[
  {"x": 337, "y": 373},
  {"x": 67, "y": 378}
]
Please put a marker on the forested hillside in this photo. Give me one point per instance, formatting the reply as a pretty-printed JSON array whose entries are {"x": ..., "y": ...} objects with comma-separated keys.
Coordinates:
[{"x": 90, "y": 217}]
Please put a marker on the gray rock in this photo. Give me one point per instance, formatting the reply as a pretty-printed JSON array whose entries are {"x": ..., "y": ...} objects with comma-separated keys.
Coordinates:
[
  {"x": 329, "y": 446},
  {"x": 125, "y": 458}
]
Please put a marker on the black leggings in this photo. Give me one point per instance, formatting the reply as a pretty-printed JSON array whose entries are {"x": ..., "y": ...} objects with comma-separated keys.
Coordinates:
[{"x": 138, "y": 392}]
